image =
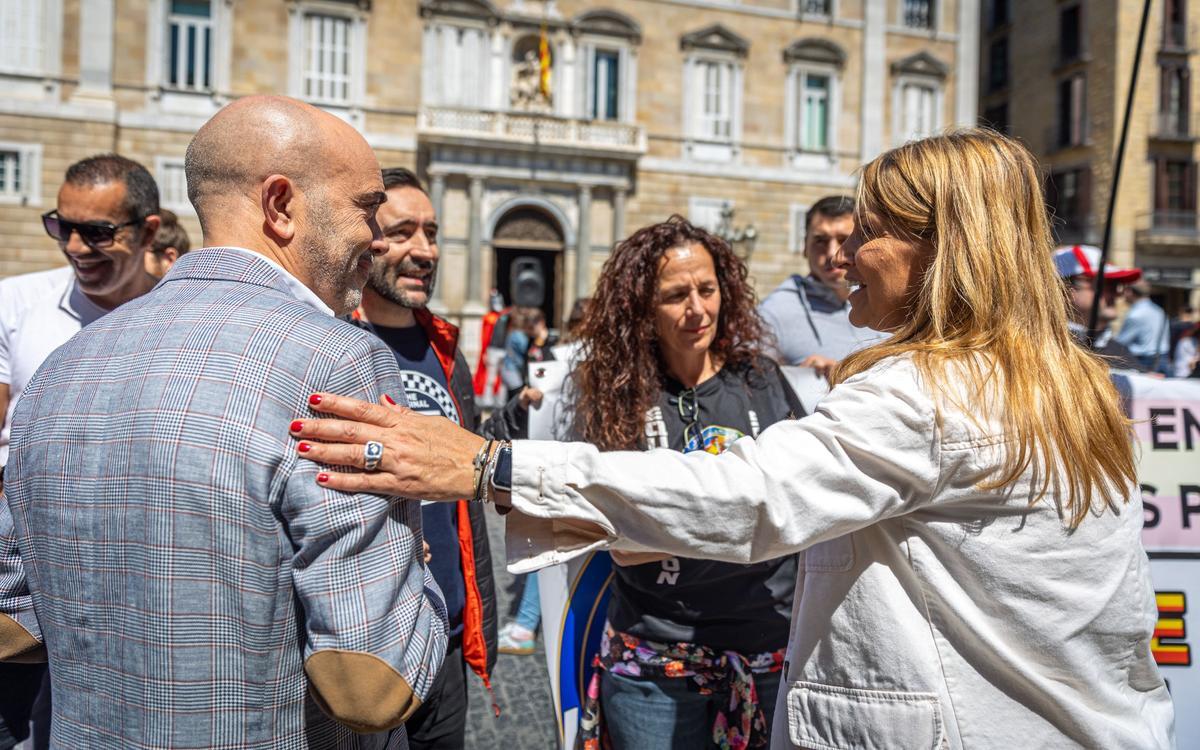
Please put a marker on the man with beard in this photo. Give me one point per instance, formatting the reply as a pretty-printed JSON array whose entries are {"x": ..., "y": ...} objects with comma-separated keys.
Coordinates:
[
  {"x": 809, "y": 316},
  {"x": 436, "y": 381},
  {"x": 196, "y": 584},
  {"x": 105, "y": 223}
]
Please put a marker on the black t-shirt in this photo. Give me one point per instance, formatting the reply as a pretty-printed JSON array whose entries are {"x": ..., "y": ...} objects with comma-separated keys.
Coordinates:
[
  {"x": 425, "y": 387},
  {"x": 725, "y": 606}
]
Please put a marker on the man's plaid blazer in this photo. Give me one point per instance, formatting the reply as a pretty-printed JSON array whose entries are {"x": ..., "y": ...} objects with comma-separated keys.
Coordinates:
[{"x": 194, "y": 587}]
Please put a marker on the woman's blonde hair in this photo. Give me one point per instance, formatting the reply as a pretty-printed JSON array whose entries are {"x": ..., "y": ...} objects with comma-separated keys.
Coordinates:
[{"x": 991, "y": 289}]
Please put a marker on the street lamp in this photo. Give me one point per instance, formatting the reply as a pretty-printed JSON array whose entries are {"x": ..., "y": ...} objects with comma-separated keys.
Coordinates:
[{"x": 741, "y": 239}]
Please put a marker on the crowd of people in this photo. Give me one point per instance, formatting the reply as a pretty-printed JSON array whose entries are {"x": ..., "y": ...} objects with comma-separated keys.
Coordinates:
[{"x": 209, "y": 532}]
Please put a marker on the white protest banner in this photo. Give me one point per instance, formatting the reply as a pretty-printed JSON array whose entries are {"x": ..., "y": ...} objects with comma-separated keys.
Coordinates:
[{"x": 1167, "y": 425}]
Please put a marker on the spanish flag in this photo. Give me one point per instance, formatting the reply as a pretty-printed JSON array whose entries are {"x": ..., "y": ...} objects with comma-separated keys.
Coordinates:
[{"x": 544, "y": 64}]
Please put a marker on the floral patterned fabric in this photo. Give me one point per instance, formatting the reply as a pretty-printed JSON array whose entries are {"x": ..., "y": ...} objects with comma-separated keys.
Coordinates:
[{"x": 740, "y": 724}]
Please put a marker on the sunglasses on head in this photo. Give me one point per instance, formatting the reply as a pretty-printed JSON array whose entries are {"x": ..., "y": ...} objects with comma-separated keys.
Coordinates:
[{"x": 95, "y": 234}]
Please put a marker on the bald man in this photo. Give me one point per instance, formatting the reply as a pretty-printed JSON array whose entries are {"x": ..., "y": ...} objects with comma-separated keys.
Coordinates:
[{"x": 195, "y": 586}]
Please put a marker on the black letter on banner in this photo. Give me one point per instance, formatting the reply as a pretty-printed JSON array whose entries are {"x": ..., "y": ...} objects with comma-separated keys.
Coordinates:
[
  {"x": 1186, "y": 509},
  {"x": 1156, "y": 429},
  {"x": 1151, "y": 511},
  {"x": 1190, "y": 425}
]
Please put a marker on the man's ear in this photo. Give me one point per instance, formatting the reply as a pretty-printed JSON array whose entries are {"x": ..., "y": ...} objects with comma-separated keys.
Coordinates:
[
  {"x": 150, "y": 226},
  {"x": 278, "y": 208}
]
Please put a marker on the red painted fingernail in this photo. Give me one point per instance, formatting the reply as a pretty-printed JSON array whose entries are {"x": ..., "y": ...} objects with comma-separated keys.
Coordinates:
[
  {"x": 296, "y": 426},
  {"x": 322, "y": 477},
  {"x": 314, "y": 399},
  {"x": 389, "y": 399},
  {"x": 304, "y": 447}
]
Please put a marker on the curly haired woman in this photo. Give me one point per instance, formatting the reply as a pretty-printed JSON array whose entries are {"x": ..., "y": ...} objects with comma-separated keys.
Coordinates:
[{"x": 692, "y": 648}]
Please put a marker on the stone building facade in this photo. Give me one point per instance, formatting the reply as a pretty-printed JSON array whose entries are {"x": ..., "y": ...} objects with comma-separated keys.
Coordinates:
[
  {"x": 735, "y": 113},
  {"x": 1060, "y": 84}
]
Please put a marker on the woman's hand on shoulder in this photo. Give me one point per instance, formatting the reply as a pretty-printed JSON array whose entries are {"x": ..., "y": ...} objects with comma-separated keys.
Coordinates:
[{"x": 423, "y": 457}]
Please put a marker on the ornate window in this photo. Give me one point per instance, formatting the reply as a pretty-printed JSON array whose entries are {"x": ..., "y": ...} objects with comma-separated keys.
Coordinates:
[
  {"x": 20, "y": 173},
  {"x": 816, "y": 7},
  {"x": 1174, "y": 107},
  {"x": 917, "y": 97},
  {"x": 713, "y": 93},
  {"x": 189, "y": 45},
  {"x": 813, "y": 94},
  {"x": 328, "y": 43},
  {"x": 1072, "y": 111},
  {"x": 1068, "y": 194},
  {"x": 918, "y": 14},
  {"x": 21, "y": 36},
  {"x": 172, "y": 184},
  {"x": 607, "y": 55},
  {"x": 1070, "y": 33},
  {"x": 31, "y": 40},
  {"x": 456, "y": 63}
]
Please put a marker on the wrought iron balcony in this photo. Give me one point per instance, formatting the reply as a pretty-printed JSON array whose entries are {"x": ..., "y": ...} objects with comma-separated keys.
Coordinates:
[
  {"x": 1173, "y": 126},
  {"x": 531, "y": 130},
  {"x": 1171, "y": 226}
]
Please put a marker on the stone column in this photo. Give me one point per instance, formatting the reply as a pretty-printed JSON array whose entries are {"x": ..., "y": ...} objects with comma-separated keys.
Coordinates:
[
  {"x": 437, "y": 196},
  {"x": 874, "y": 74},
  {"x": 618, "y": 219},
  {"x": 474, "y": 295},
  {"x": 583, "y": 243},
  {"x": 966, "y": 76}
]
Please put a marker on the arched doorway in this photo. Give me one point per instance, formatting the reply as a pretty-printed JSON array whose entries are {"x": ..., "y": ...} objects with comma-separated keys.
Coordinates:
[{"x": 531, "y": 237}]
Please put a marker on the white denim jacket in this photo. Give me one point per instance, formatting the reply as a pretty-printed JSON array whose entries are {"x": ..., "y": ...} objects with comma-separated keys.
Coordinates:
[{"x": 929, "y": 613}]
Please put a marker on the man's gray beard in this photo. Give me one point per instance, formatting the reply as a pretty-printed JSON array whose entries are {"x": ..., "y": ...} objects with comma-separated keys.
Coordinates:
[
  {"x": 386, "y": 288},
  {"x": 329, "y": 270}
]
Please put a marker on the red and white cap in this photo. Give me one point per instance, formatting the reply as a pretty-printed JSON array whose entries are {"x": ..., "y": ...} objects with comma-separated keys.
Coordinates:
[{"x": 1083, "y": 260}]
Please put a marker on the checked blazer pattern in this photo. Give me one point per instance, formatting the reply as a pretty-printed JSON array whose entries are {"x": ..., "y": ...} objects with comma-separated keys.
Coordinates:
[{"x": 176, "y": 558}]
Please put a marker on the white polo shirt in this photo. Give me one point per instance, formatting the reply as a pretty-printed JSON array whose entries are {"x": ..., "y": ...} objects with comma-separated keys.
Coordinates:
[{"x": 39, "y": 312}]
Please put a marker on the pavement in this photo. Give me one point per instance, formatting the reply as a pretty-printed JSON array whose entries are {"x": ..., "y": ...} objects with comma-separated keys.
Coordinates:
[{"x": 521, "y": 683}]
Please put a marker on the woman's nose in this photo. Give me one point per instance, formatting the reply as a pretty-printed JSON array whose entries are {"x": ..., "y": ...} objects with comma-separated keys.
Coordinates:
[{"x": 843, "y": 257}]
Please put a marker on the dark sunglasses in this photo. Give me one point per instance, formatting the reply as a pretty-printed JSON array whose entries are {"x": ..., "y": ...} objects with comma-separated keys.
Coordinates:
[
  {"x": 95, "y": 234},
  {"x": 689, "y": 412}
]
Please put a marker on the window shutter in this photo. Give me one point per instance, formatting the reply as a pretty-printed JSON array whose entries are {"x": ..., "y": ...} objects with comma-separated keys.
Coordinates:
[
  {"x": 1185, "y": 118},
  {"x": 1189, "y": 188},
  {"x": 1160, "y": 184},
  {"x": 1085, "y": 193}
]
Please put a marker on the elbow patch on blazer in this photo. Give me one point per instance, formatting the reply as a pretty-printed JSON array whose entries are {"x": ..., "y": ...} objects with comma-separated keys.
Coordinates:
[
  {"x": 17, "y": 644},
  {"x": 360, "y": 690}
]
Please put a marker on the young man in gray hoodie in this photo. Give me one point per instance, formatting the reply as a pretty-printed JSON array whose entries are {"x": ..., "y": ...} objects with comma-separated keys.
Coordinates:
[{"x": 809, "y": 315}]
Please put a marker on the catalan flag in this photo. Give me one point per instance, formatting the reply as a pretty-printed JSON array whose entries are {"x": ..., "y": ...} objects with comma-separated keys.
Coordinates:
[{"x": 544, "y": 64}]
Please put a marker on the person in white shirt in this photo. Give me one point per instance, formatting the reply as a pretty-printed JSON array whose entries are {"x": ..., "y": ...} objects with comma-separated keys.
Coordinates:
[
  {"x": 965, "y": 497},
  {"x": 105, "y": 222}
]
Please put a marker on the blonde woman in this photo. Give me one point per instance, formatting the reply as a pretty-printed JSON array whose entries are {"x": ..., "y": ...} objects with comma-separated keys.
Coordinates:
[{"x": 965, "y": 501}]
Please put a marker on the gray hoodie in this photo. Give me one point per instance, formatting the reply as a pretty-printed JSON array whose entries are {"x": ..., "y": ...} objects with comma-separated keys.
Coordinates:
[{"x": 807, "y": 318}]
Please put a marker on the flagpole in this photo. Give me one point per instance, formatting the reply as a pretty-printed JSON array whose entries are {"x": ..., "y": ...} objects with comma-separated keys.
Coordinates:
[{"x": 1094, "y": 318}]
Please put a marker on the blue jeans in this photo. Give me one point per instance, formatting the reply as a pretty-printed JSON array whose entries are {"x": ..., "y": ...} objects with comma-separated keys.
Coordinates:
[
  {"x": 663, "y": 713},
  {"x": 529, "y": 613}
]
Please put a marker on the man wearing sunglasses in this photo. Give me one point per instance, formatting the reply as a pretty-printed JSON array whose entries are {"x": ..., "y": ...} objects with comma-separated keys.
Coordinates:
[{"x": 104, "y": 223}]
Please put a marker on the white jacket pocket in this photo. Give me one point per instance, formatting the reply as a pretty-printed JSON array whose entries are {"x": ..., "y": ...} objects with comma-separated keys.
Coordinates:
[{"x": 826, "y": 717}]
